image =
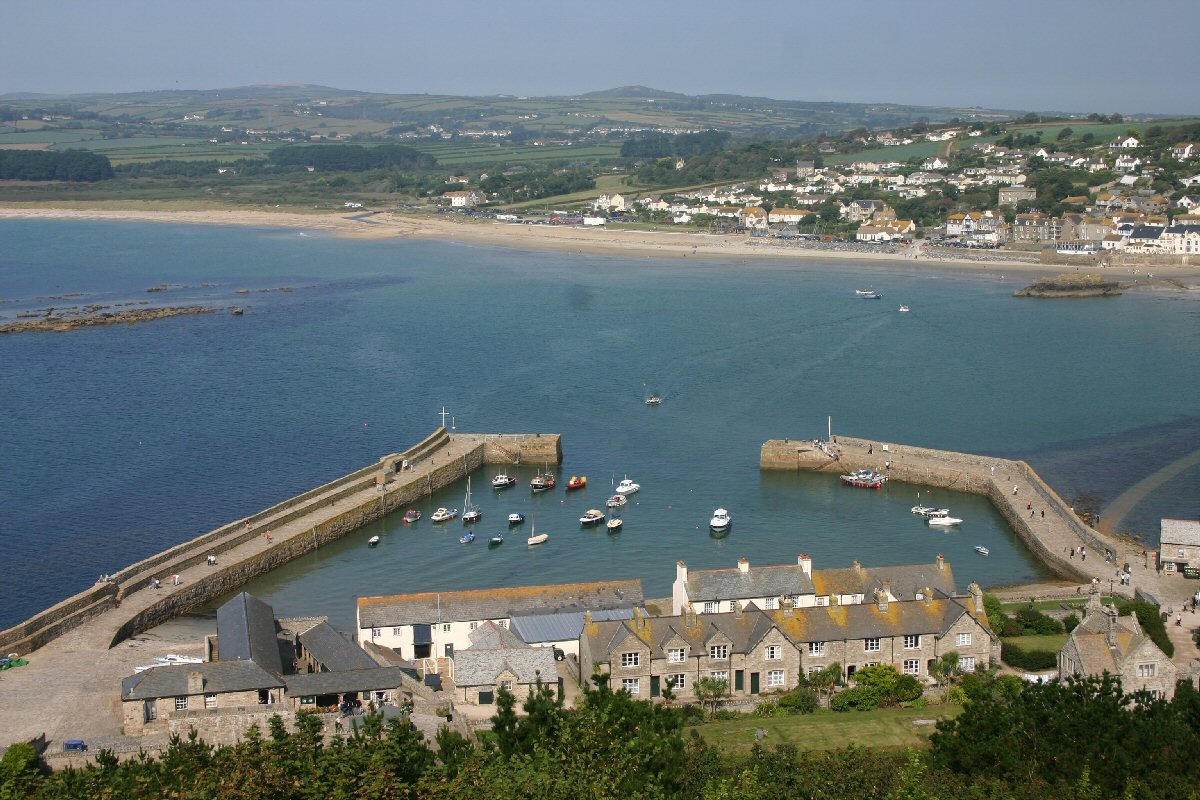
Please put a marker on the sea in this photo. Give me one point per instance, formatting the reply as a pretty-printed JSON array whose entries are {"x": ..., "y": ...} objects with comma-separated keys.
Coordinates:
[{"x": 120, "y": 441}]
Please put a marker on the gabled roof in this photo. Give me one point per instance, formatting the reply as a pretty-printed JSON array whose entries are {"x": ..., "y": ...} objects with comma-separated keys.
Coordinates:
[
  {"x": 729, "y": 584},
  {"x": 351, "y": 680},
  {"x": 495, "y": 650},
  {"x": 904, "y": 582},
  {"x": 480, "y": 604},
  {"x": 246, "y": 632},
  {"x": 1104, "y": 642},
  {"x": 1180, "y": 531},
  {"x": 332, "y": 649},
  {"x": 743, "y": 631},
  {"x": 218, "y": 677},
  {"x": 560, "y": 627}
]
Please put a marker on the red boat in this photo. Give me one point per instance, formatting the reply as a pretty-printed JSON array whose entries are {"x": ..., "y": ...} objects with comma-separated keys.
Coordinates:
[
  {"x": 412, "y": 516},
  {"x": 865, "y": 479},
  {"x": 577, "y": 482},
  {"x": 541, "y": 483}
]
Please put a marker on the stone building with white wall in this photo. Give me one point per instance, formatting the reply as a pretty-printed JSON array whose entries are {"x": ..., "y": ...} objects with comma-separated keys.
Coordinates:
[{"x": 1108, "y": 643}]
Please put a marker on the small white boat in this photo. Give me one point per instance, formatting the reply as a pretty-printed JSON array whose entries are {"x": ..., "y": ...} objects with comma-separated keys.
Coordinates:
[
  {"x": 593, "y": 516},
  {"x": 516, "y": 519},
  {"x": 374, "y": 540},
  {"x": 471, "y": 512},
  {"x": 983, "y": 551},
  {"x": 929, "y": 511},
  {"x": 864, "y": 292},
  {"x": 627, "y": 487},
  {"x": 503, "y": 481},
  {"x": 654, "y": 400},
  {"x": 614, "y": 524},
  {"x": 443, "y": 515},
  {"x": 616, "y": 501},
  {"x": 905, "y": 308},
  {"x": 720, "y": 520},
  {"x": 869, "y": 295},
  {"x": 172, "y": 658},
  {"x": 944, "y": 522}
]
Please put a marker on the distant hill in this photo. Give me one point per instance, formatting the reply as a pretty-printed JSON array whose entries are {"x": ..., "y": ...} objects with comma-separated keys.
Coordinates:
[{"x": 634, "y": 91}]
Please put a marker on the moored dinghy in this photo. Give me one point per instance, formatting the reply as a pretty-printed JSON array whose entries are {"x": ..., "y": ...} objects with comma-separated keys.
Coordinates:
[
  {"x": 944, "y": 522},
  {"x": 614, "y": 524},
  {"x": 983, "y": 551},
  {"x": 374, "y": 540},
  {"x": 496, "y": 540}
]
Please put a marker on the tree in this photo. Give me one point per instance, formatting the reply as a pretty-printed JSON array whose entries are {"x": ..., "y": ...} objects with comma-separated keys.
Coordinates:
[
  {"x": 823, "y": 680},
  {"x": 711, "y": 692},
  {"x": 946, "y": 670},
  {"x": 1065, "y": 133},
  {"x": 504, "y": 722}
]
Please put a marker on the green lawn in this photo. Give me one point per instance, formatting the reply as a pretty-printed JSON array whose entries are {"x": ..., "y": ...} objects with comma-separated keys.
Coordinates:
[
  {"x": 1052, "y": 642},
  {"x": 827, "y": 730}
]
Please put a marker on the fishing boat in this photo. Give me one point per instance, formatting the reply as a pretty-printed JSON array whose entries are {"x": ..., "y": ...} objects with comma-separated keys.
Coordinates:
[
  {"x": 654, "y": 400},
  {"x": 616, "y": 501},
  {"x": 535, "y": 537},
  {"x": 627, "y": 487},
  {"x": 983, "y": 551},
  {"x": 864, "y": 479},
  {"x": 466, "y": 538},
  {"x": 720, "y": 520},
  {"x": 614, "y": 524},
  {"x": 905, "y": 308},
  {"x": 503, "y": 481},
  {"x": 496, "y": 540},
  {"x": 577, "y": 482},
  {"x": 471, "y": 512},
  {"x": 374, "y": 540},
  {"x": 516, "y": 519},
  {"x": 944, "y": 522},
  {"x": 928, "y": 511},
  {"x": 864, "y": 292},
  {"x": 592, "y": 516},
  {"x": 542, "y": 483},
  {"x": 411, "y": 516},
  {"x": 443, "y": 515}
]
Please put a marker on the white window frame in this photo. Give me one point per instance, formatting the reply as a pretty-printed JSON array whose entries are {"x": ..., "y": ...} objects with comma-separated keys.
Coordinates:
[
  {"x": 774, "y": 652},
  {"x": 816, "y": 648},
  {"x": 967, "y": 663},
  {"x": 719, "y": 674},
  {"x": 813, "y": 670},
  {"x": 962, "y": 640},
  {"x": 506, "y": 685},
  {"x": 771, "y": 603},
  {"x": 718, "y": 652},
  {"x": 1147, "y": 670},
  {"x": 710, "y": 608},
  {"x": 676, "y": 655},
  {"x": 871, "y": 645},
  {"x": 680, "y": 679},
  {"x": 446, "y": 627},
  {"x": 733, "y": 605},
  {"x": 631, "y": 685},
  {"x": 397, "y": 631},
  {"x": 631, "y": 659},
  {"x": 503, "y": 623},
  {"x": 376, "y": 633},
  {"x": 210, "y": 700},
  {"x": 181, "y": 703},
  {"x": 776, "y": 678},
  {"x": 912, "y": 641},
  {"x": 912, "y": 666},
  {"x": 473, "y": 626},
  {"x": 822, "y": 600}
]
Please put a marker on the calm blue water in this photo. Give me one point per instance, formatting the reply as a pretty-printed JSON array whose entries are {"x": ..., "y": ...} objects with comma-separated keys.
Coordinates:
[{"x": 119, "y": 442}]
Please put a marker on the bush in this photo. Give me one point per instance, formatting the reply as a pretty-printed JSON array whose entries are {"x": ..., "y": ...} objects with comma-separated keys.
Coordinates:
[
  {"x": 1010, "y": 627},
  {"x": 858, "y": 698},
  {"x": 1149, "y": 617},
  {"x": 767, "y": 708},
  {"x": 907, "y": 689},
  {"x": 1035, "y": 622},
  {"x": 994, "y": 610},
  {"x": 956, "y": 695},
  {"x": 1019, "y": 657},
  {"x": 889, "y": 685},
  {"x": 799, "y": 701},
  {"x": 1070, "y": 623},
  {"x": 693, "y": 714},
  {"x": 724, "y": 713}
]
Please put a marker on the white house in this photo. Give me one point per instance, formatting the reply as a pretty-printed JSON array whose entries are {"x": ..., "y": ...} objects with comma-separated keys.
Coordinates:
[
  {"x": 787, "y": 216},
  {"x": 934, "y": 163},
  {"x": 1124, "y": 143},
  {"x": 1127, "y": 163},
  {"x": 1185, "y": 150},
  {"x": 464, "y": 198}
]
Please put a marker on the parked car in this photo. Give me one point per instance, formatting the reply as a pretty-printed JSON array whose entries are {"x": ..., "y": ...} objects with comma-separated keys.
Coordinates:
[{"x": 74, "y": 746}]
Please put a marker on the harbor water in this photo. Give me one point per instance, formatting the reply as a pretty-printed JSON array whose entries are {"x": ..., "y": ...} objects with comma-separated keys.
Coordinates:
[{"x": 121, "y": 441}]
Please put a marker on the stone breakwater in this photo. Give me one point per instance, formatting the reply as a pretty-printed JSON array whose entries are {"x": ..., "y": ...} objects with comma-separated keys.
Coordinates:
[
  {"x": 61, "y": 323},
  {"x": 127, "y": 603},
  {"x": 1010, "y": 485}
]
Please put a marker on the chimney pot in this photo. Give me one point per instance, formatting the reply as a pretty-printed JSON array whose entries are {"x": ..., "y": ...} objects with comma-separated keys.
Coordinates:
[
  {"x": 857, "y": 565},
  {"x": 805, "y": 562},
  {"x": 743, "y": 565},
  {"x": 195, "y": 682},
  {"x": 941, "y": 561}
]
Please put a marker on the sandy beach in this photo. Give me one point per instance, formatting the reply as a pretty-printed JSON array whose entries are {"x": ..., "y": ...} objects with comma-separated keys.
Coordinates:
[{"x": 595, "y": 241}]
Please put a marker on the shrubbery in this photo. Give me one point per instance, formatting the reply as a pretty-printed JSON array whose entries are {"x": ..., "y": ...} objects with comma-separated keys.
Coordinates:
[
  {"x": 1019, "y": 657},
  {"x": 858, "y": 698},
  {"x": 1150, "y": 618},
  {"x": 877, "y": 686},
  {"x": 801, "y": 700}
]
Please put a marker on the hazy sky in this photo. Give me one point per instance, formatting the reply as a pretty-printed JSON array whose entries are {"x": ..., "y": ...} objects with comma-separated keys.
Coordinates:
[{"x": 1074, "y": 55}]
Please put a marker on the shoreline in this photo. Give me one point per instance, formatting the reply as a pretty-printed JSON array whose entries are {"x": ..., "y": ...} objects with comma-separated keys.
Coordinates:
[{"x": 564, "y": 239}]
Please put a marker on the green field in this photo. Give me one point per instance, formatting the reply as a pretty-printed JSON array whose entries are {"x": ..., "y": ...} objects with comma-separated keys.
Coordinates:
[
  {"x": 1104, "y": 132},
  {"x": 456, "y": 154},
  {"x": 901, "y": 152},
  {"x": 828, "y": 730},
  {"x": 1052, "y": 642}
]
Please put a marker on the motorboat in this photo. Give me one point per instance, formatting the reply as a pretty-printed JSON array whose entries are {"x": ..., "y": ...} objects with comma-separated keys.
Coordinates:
[
  {"x": 870, "y": 295},
  {"x": 616, "y": 501},
  {"x": 654, "y": 400},
  {"x": 496, "y": 540},
  {"x": 864, "y": 292},
  {"x": 944, "y": 522},
  {"x": 466, "y": 538},
  {"x": 516, "y": 519},
  {"x": 905, "y": 308},
  {"x": 928, "y": 511},
  {"x": 983, "y": 551},
  {"x": 411, "y": 516},
  {"x": 503, "y": 481},
  {"x": 374, "y": 540},
  {"x": 471, "y": 512},
  {"x": 443, "y": 515},
  {"x": 173, "y": 658},
  {"x": 592, "y": 516},
  {"x": 864, "y": 479},
  {"x": 542, "y": 483},
  {"x": 614, "y": 524},
  {"x": 577, "y": 482},
  {"x": 627, "y": 487},
  {"x": 720, "y": 520}
]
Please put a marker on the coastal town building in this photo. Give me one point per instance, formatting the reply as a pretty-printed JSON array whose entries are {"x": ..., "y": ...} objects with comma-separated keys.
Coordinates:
[
  {"x": 1011, "y": 195},
  {"x": 498, "y": 658},
  {"x": 756, "y": 651},
  {"x": 435, "y": 625},
  {"x": 1179, "y": 545},
  {"x": 465, "y": 198},
  {"x": 788, "y": 216},
  {"x": 767, "y": 588},
  {"x": 1105, "y": 642}
]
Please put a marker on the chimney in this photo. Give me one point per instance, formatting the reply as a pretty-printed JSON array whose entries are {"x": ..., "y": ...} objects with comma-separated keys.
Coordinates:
[
  {"x": 941, "y": 561},
  {"x": 587, "y": 617},
  {"x": 857, "y": 565},
  {"x": 639, "y": 619},
  {"x": 881, "y": 599},
  {"x": 737, "y": 610},
  {"x": 927, "y": 593},
  {"x": 743, "y": 565},
  {"x": 789, "y": 606},
  {"x": 195, "y": 682},
  {"x": 681, "y": 571},
  {"x": 805, "y": 562},
  {"x": 976, "y": 596}
]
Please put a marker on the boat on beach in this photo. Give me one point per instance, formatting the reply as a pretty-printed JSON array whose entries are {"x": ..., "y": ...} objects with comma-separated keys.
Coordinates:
[
  {"x": 720, "y": 520},
  {"x": 593, "y": 516},
  {"x": 627, "y": 487},
  {"x": 929, "y": 511},
  {"x": 411, "y": 516},
  {"x": 864, "y": 479},
  {"x": 944, "y": 522},
  {"x": 577, "y": 482},
  {"x": 443, "y": 515},
  {"x": 983, "y": 551}
]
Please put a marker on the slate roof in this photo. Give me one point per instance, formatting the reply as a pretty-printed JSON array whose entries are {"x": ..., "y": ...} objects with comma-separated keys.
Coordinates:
[
  {"x": 1180, "y": 532},
  {"x": 727, "y": 584},
  {"x": 219, "y": 677},
  {"x": 351, "y": 680},
  {"x": 560, "y": 627},
  {"x": 246, "y": 632},
  {"x": 745, "y": 631},
  {"x": 903, "y": 582},
  {"x": 477, "y": 604},
  {"x": 333, "y": 651},
  {"x": 494, "y": 650},
  {"x": 1146, "y": 232},
  {"x": 1097, "y": 652}
]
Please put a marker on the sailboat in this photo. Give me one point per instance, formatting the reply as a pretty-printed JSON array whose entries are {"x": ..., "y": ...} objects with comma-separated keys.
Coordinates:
[
  {"x": 471, "y": 513},
  {"x": 535, "y": 537}
]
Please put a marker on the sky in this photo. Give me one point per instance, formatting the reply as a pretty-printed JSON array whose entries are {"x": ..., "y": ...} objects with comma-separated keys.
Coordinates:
[{"x": 1041, "y": 55}]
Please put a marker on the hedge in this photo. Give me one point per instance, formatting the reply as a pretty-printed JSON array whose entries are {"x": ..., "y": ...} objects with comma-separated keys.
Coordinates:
[{"x": 1019, "y": 657}]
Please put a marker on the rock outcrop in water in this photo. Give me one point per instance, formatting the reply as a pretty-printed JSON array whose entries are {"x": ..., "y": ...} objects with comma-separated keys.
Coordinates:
[
  {"x": 1071, "y": 284},
  {"x": 59, "y": 323}
]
